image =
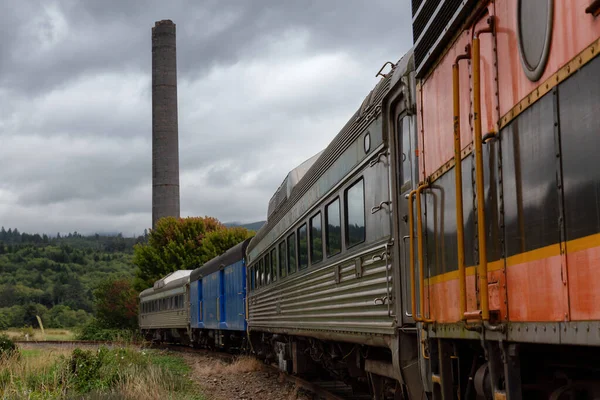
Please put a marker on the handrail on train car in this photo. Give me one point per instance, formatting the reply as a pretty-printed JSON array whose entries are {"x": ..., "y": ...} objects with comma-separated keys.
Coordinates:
[
  {"x": 413, "y": 283},
  {"x": 420, "y": 253},
  {"x": 460, "y": 235},
  {"x": 411, "y": 263},
  {"x": 482, "y": 269}
]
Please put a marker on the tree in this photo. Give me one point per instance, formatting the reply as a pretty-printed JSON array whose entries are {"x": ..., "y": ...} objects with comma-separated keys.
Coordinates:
[
  {"x": 115, "y": 301},
  {"x": 184, "y": 243}
]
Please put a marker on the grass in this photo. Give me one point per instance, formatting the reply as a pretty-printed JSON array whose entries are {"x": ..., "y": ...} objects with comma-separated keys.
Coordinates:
[
  {"x": 36, "y": 334},
  {"x": 239, "y": 366},
  {"x": 116, "y": 373}
]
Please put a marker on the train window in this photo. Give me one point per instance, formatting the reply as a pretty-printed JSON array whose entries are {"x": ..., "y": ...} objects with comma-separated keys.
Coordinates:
[
  {"x": 176, "y": 301},
  {"x": 316, "y": 239},
  {"x": 181, "y": 304},
  {"x": 404, "y": 130},
  {"x": 257, "y": 274},
  {"x": 282, "y": 260},
  {"x": 355, "y": 214},
  {"x": 274, "y": 267},
  {"x": 252, "y": 281},
  {"x": 261, "y": 272},
  {"x": 333, "y": 226},
  {"x": 268, "y": 268},
  {"x": 291, "y": 253},
  {"x": 303, "y": 247}
]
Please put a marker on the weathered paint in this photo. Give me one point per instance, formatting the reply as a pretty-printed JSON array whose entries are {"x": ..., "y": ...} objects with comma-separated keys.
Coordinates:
[{"x": 573, "y": 31}]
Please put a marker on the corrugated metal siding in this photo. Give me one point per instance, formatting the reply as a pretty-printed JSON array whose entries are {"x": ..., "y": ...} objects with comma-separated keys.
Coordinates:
[
  {"x": 194, "y": 305},
  {"x": 315, "y": 301},
  {"x": 235, "y": 293},
  {"x": 167, "y": 319}
]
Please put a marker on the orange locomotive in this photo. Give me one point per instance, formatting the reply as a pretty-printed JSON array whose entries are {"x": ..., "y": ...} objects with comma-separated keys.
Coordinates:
[{"x": 506, "y": 242}]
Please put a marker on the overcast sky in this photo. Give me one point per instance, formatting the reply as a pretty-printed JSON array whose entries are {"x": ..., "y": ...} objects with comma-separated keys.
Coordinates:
[{"x": 263, "y": 85}]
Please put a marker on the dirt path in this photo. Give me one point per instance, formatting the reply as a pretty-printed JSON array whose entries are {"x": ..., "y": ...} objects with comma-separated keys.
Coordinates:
[{"x": 245, "y": 378}]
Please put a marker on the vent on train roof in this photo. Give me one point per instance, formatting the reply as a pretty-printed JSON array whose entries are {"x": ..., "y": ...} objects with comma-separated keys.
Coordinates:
[
  {"x": 291, "y": 180},
  {"x": 434, "y": 24}
]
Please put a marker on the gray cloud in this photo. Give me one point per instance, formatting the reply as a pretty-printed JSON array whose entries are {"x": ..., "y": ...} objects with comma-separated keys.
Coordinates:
[{"x": 263, "y": 85}]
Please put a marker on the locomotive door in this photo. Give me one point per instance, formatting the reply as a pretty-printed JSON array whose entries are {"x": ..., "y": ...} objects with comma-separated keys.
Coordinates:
[{"x": 406, "y": 164}]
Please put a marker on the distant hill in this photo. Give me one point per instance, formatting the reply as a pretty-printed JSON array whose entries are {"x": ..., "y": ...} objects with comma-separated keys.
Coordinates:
[{"x": 252, "y": 226}]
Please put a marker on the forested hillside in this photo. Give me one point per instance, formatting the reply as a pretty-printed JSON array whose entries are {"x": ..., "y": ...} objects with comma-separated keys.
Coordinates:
[{"x": 54, "y": 277}]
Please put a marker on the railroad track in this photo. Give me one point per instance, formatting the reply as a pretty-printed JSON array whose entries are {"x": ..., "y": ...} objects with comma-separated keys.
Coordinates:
[{"x": 322, "y": 389}]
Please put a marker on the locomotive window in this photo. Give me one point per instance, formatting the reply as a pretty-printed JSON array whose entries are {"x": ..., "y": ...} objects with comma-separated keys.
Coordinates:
[
  {"x": 316, "y": 239},
  {"x": 355, "y": 214},
  {"x": 268, "y": 271},
  {"x": 274, "y": 267},
  {"x": 333, "y": 228},
  {"x": 404, "y": 130},
  {"x": 303, "y": 247},
  {"x": 282, "y": 260},
  {"x": 291, "y": 253}
]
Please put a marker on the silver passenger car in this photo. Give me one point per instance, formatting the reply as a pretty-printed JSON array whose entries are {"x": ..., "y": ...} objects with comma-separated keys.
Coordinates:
[
  {"x": 324, "y": 273},
  {"x": 164, "y": 308}
]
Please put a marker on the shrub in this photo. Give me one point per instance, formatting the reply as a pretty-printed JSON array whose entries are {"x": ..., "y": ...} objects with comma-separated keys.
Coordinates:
[
  {"x": 94, "y": 330},
  {"x": 7, "y": 346}
]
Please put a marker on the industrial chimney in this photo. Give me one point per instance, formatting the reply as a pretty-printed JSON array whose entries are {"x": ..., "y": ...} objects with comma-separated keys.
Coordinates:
[{"x": 165, "y": 143}]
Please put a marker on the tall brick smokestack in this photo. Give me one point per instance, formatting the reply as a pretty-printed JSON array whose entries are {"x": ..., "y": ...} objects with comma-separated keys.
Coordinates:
[{"x": 165, "y": 142}]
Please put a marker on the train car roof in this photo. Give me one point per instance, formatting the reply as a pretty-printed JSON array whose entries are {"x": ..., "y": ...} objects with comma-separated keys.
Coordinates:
[
  {"x": 174, "y": 279},
  {"x": 231, "y": 256},
  {"x": 280, "y": 204}
]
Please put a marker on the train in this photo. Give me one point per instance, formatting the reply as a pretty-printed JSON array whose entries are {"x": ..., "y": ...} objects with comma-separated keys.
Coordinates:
[{"x": 446, "y": 243}]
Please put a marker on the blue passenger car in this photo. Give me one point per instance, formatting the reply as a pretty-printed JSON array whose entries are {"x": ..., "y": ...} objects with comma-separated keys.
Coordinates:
[{"x": 218, "y": 300}]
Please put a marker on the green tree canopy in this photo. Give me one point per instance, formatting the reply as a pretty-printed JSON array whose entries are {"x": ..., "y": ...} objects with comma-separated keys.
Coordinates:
[
  {"x": 116, "y": 304},
  {"x": 182, "y": 243}
]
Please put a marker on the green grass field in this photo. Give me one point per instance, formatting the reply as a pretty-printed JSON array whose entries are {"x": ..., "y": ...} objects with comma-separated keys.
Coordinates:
[
  {"x": 36, "y": 334},
  {"x": 123, "y": 373}
]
